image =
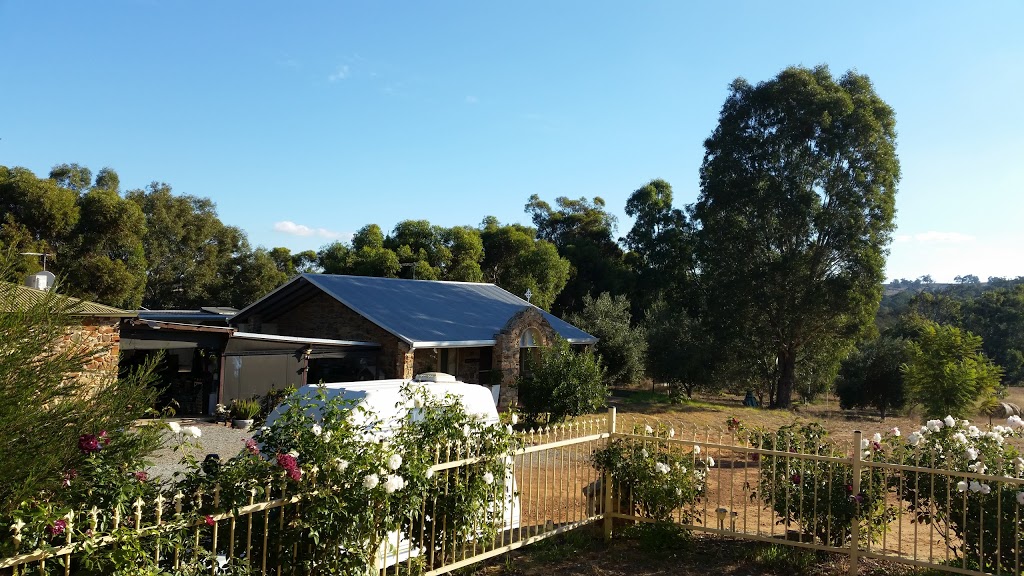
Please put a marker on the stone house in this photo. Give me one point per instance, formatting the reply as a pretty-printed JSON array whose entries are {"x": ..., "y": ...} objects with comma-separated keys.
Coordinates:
[
  {"x": 477, "y": 332},
  {"x": 94, "y": 327}
]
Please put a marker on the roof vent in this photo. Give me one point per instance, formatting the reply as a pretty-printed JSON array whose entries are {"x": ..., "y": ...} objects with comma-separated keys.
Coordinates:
[
  {"x": 434, "y": 377},
  {"x": 41, "y": 280}
]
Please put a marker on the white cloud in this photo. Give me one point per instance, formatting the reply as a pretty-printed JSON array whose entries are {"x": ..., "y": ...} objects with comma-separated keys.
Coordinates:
[
  {"x": 341, "y": 73},
  {"x": 933, "y": 237},
  {"x": 289, "y": 227}
]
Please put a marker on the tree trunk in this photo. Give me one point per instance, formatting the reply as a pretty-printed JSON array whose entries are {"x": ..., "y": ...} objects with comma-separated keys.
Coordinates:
[{"x": 787, "y": 379}]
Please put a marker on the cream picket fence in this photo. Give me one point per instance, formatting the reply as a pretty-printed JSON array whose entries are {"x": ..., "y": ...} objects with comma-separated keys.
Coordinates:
[{"x": 556, "y": 489}]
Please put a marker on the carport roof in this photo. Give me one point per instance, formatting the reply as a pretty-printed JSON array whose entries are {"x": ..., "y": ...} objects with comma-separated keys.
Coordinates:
[{"x": 423, "y": 313}]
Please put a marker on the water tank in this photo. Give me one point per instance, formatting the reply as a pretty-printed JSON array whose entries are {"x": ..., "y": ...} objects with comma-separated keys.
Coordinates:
[{"x": 41, "y": 280}]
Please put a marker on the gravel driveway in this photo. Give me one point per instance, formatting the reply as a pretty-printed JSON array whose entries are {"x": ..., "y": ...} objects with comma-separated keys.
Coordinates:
[{"x": 216, "y": 439}]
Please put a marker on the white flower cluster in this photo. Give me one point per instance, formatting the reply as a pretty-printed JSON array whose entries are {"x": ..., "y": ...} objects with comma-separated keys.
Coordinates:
[
  {"x": 193, "y": 431},
  {"x": 662, "y": 468},
  {"x": 394, "y": 483}
]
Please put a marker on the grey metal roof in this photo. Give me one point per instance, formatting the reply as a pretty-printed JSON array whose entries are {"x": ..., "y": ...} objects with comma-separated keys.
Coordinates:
[{"x": 427, "y": 313}]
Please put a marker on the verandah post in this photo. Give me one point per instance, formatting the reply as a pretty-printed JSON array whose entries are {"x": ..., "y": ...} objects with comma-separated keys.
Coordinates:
[
  {"x": 606, "y": 482},
  {"x": 855, "y": 521}
]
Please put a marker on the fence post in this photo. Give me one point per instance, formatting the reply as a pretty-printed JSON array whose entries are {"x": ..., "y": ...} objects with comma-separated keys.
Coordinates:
[
  {"x": 855, "y": 522},
  {"x": 607, "y": 482}
]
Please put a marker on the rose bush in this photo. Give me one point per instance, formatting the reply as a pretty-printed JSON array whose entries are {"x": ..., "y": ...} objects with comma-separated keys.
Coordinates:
[
  {"x": 968, "y": 498},
  {"x": 817, "y": 495},
  {"x": 358, "y": 479},
  {"x": 661, "y": 482}
]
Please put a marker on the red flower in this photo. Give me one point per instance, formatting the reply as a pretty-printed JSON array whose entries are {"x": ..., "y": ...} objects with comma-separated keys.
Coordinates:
[
  {"x": 210, "y": 521},
  {"x": 252, "y": 446},
  {"x": 795, "y": 478},
  {"x": 104, "y": 437},
  {"x": 141, "y": 476},
  {"x": 849, "y": 488},
  {"x": 88, "y": 444},
  {"x": 295, "y": 474},
  {"x": 57, "y": 528}
]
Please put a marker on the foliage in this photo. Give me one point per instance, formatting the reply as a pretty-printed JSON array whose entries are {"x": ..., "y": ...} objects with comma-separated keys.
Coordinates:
[
  {"x": 662, "y": 483},
  {"x": 817, "y": 495},
  {"x": 659, "y": 243},
  {"x": 621, "y": 345},
  {"x": 974, "y": 510},
  {"x": 245, "y": 409},
  {"x": 679, "y": 350},
  {"x": 361, "y": 478},
  {"x": 947, "y": 373},
  {"x": 48, "y": 401},
  {"x": 583, "y": 231},
  {"x": 561, "y": 382},
  {"x": 873, "y": 376},
  {"x": 796, "y": 208},
  {"x": 515, "y": 259}
]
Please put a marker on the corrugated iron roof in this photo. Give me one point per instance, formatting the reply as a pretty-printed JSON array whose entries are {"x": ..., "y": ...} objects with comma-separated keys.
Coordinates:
[
  {"x": 424, "y": 313},
  {"x": 17, "y": 297}
]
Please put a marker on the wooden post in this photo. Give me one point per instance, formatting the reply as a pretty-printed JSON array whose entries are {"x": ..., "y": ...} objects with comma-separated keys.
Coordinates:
[
  {"x": 855, "y": 522},
  {"x": 607, "y": 482}
]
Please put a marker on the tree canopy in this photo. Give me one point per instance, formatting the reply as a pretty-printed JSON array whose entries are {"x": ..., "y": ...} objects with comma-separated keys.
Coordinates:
[{"x": 795, "y": 212}]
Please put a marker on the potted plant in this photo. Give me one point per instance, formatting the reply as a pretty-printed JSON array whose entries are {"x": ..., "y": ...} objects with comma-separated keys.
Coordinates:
[{"x": 243, "y": 412}]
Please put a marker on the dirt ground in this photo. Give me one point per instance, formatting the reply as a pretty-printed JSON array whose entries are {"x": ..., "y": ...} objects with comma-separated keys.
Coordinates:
[{"x": 584, "y": 553}]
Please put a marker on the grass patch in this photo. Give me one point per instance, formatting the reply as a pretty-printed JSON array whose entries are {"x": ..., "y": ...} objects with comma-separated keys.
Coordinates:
[{"x": 785, "y": 559}]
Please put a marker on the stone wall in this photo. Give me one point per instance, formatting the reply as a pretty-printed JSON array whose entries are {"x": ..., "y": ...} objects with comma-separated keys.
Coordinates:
[
  {"x": 324, "y": 317},
  {"x": 506, "y": 349},
  {"x": 100, "y": 338}
]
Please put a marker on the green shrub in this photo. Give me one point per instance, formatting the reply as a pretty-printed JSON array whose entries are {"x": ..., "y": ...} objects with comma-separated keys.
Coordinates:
[
  {"x": 817, "y": 495},
  {"x": 245, "y": 409},
  {"x": 561, "y": 382}
]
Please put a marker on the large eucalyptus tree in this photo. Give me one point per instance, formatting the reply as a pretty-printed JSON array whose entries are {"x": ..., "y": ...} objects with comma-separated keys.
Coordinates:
[{"x": 795, "y": 213}]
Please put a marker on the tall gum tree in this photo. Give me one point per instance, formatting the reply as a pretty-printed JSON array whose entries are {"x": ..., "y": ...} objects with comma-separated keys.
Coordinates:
[{"x": 795, "y": 213}]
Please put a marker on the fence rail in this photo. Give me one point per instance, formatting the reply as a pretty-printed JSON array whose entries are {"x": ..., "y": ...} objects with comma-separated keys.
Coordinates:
[{"x": 757, "y": 488}]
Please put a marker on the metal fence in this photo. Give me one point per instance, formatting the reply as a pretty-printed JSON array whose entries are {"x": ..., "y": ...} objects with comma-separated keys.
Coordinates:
[
  {"x": 546, "y": 495},
  {"x": 818, "y": 497},
  {"x": 794, "y": 493}
]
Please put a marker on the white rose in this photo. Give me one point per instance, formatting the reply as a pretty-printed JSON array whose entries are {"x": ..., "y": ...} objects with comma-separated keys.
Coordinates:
[
  {"x": 488, "y": 478},
  {"x": 934, "y": 425},
  {"x": 466, "y": 430},
  {"x": 340, "y": 464},
  {"x": 175, "y": 427},
  {"x": 1020, "y": 498},
  {"x": 985, "y": 488},
  {"x": 864, "y": 443},
  {"x": 327, "y": 436},
  {"x": 394, "y": 483},
  {"x": 711, "y": 462},
  {"x": 960, "y": 438},
  {"x": 194, "y": 431},
  {"x": 508, "y": 429},
  {"x": 1015, "y": 422},
  {"x": 644, "y": 453},
  {"x": 515, "y": 419},
  {"x": 293, "y": 453},
  {"x": 648, "y": 430},
  {"x": 317, "y": 430},
  {"x": 949, "y": 421},
  {"x": 961, "y": 486},
  {"x": 395, "y": 461},
  {"x": 370, "y": 481},
  {"x": 671, "y": 432},
  {"x": 972, "y": 453},
  {"x": 430, "y": 473},
  {"x": 662, "y": 468},
  {"x": 914, "y": 439},
  {"x": 895, "y": 432},
  {"x": 975, "y": 486},
  {"x": 877, "y": 438},
  {"x": 696, "y": 449}
]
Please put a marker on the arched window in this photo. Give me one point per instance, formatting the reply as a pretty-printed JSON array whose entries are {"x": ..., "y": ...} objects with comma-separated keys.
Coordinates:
[
  {"x": 530, "y": 338},
  {"x": 529, "y": 348}
]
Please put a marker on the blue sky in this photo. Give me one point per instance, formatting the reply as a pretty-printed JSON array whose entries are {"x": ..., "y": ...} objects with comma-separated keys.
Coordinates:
[{"x": 305, "y": 121}]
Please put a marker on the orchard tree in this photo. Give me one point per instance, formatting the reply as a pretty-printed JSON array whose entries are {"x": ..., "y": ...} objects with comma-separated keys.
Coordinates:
[
  {"x": 795, "y": 212},
  {"x": 621, "y": 345},
  {"x": 948, "y": 374},
  {"x": 873, "y": 376}
]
